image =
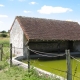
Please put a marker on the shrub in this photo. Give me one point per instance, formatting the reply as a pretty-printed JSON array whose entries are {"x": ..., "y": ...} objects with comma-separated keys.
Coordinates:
[
  {"x": 3, "y": 35},
  {"x": 3, "y": 31}
]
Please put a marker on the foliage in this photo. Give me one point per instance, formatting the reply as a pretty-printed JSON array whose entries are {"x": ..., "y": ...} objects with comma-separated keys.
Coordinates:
[
  {"x": 15, "y": 72},
  {"x": 3, "y": 35},
  {"x": 3, "y": 31},
  {"x": 4, "y": 41}
]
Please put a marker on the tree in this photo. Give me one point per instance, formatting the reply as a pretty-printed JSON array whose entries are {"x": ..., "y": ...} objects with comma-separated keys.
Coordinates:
[
  {"x": 3, "y": 35},
  {"x": 3, "y": 31}
]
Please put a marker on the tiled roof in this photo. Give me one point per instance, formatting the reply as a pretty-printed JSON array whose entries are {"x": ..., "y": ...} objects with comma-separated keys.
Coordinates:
[{"x": 47, "y": 29}]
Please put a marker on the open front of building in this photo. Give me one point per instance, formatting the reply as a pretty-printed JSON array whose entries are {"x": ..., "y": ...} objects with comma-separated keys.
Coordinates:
[{"x": 53, "y": 47}]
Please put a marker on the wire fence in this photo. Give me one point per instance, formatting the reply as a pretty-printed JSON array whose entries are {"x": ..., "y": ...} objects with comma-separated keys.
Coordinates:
[
  {"x": 57, "y": 55},
  {"x": 17, "y": 48},
  {"x": 4, "y": 52},
  {"x": 63, "y": 71},
  {"x": 45, "y": 54}
]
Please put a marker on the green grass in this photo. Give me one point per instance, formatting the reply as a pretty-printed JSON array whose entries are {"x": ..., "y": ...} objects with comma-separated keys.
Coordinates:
[
  {"x": 16, "y": 72},
  {"x": 4, "y": 41}
]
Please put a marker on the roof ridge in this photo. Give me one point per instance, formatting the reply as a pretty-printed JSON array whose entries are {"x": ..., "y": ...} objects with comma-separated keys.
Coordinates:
[{"x": 46, "y": 19}]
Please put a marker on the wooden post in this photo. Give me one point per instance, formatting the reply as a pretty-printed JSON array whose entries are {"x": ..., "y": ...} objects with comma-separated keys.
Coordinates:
[
  {"x": 1, "y": 53},
  {"x": 69, "y": 70},
  {"x": 14, "y": 50},
  {"x": 28, "y": 59},
  {"x": 11, "y": 55}
]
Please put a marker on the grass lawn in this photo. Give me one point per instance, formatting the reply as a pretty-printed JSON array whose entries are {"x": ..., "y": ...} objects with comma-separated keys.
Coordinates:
[
  {"x": 15, "y": 72},
  {"x": 4, "y": 41}
]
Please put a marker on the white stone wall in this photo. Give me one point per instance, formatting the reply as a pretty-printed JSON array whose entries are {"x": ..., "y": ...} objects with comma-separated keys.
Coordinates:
[
  {"x": 25, "y": 44},
  {"x": 16, "y": 38}
]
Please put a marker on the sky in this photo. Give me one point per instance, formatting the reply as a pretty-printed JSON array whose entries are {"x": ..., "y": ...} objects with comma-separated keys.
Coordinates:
[{"x": 68, "y": 10}]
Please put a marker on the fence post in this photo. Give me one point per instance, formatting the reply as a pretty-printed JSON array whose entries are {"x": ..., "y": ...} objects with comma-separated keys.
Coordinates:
[
  {"x": 11, "y": 55},
  {"x": 28, "y": 59},
  {"x": 1, "y": 53},
  {"x": 69, "y": 69},
  {"x": 14, "y": 50}
]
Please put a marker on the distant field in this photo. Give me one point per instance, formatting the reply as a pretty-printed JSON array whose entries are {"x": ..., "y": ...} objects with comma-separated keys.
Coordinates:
[
  {"x": 8, "y": 35},
  {"x": 4, "y": 41}
]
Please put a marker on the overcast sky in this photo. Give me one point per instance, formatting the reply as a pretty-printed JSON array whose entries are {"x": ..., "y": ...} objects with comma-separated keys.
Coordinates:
[{"x": 52, "y": 9}]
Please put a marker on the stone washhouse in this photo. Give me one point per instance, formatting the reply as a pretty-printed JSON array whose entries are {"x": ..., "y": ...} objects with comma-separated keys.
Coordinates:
[{"x": 44, "y": 35}]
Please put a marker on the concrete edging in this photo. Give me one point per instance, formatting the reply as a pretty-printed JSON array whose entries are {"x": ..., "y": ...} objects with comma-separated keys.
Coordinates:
[{"x": 40, "y": 71}]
